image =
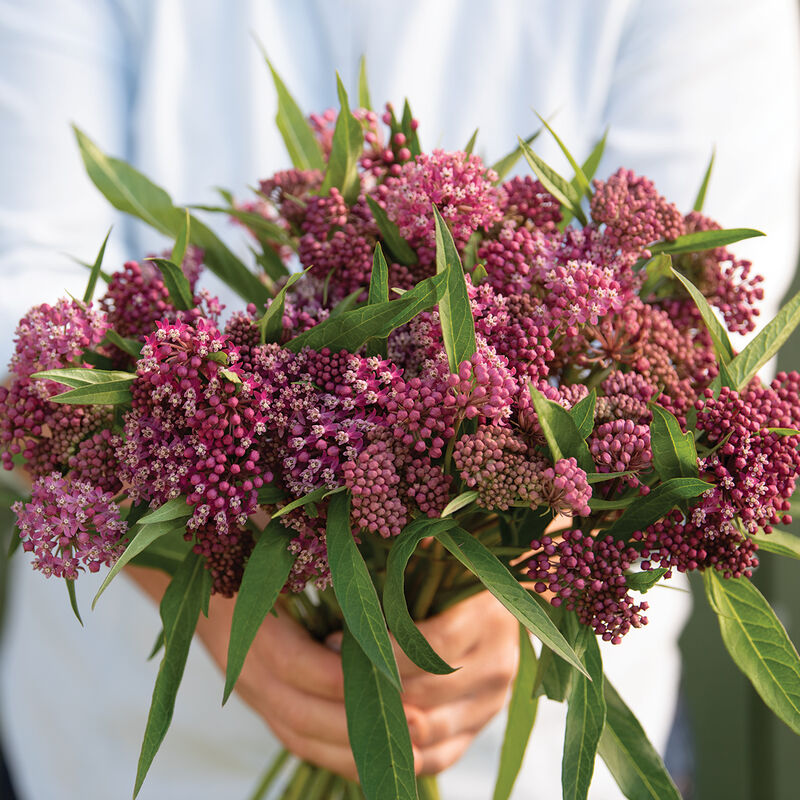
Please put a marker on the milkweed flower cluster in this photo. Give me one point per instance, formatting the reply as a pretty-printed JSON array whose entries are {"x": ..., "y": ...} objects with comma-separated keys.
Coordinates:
[{"x": 577, "y": 354}]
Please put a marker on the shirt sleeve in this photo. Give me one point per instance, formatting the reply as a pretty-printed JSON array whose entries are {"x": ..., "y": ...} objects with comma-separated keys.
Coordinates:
[
  {"x": 719, "y": 74},
  {"x": 63, "y": 63}
]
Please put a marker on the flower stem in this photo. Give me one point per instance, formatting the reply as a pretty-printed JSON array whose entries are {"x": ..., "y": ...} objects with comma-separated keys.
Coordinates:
[{"x": 270, "y": 775}]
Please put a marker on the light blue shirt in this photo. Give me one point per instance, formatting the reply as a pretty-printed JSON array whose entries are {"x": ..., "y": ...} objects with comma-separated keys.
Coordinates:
[{"x": 179, "y": 89}]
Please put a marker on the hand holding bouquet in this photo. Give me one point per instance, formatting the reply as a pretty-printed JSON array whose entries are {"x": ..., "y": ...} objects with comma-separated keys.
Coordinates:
[{"x": 469, "y": 384}]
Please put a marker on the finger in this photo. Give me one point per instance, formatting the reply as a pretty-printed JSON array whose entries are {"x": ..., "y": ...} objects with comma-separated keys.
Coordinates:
[
  {"x": 304, "y": 713},
  {"x": 436, "y": 759},
  {"x": 443, "y": 722},
  {"x": 336, "y": 757},
  {"x": 287, "y": 650}
]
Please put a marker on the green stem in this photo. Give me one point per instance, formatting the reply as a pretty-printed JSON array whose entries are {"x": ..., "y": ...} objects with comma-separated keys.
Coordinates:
[
  {"x": 270, "y": 775},
  {"x": 429, "y": 587},
  {"x": 296, "y": 788},
  {"x": 354, "y": 791},
  {"x": 319, "y": 786},
  {"x": 428, "y": 787}
]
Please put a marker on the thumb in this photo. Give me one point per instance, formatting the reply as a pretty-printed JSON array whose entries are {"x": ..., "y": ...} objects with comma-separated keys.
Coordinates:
[{"x": 334, "y": 642}]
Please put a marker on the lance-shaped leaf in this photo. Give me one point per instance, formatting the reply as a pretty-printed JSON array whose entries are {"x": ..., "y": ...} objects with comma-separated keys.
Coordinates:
[
  {"x": 364, "y": 100},
  {"x": 455, "y": 312},
  {"x": 631, "y": 759},
  {"x": 674, "y": 453},
  {"x": 580, "y": 182},
  {"x": 313, "y": 496},
  {"x": 553, "y": 677},
  {"x": 378, "y": 293},
  {"x": 509, "y": 161},
  {"x": 766, "y": 344},
  {"x": 95, "y": 271},
  {"x": 460, "y": 501},
  {"x": 559, "y": 187},
  {"x": 270, "y": 326},
  {"x": 84, "y": 376},
  {"x": 582, "y": 413},
  {"x": 494, "y": 575},
  {"x": 352, "y": 329},
  {"x": 781, "y": 543},
  {"x": 471, "y": 143},
  {"x": 131, "y": 192},
  {"x": 109, "y": 393},
  {"x": 346, "y": 148},
  {"x": 586, "y": 716},
  {"x": 701, "y": 193},
  {"x": 264, "y": 230},
  {"x": 562, "y": 434},
  {"x": 645, "y": 580},
  {"x": 758, "y": 643},
  {"x": 300, "y": 141},
  {"x": 180, "y": 608},
  {"x": 165, "y": 553},
  {"x": 655, "y": 505},
  {"x": 377, "y": 727},
  {"x": 73, "y": 600},
  {"x": 407, "y": 634},
  {"x": 355, "y": 591},
  {"x": 181, "y": 241},
  {"x": 398, "y": 247},
  {"x": 659, "y": 270},
  {"x": 144, "y": 536},
  {"x": 410, "y": 130},
  {"x": 177, "y": 508},
  {"x": 265, "y": 574},
  {"x": 704, "y": 240},
  {"x": 521, "y": 716},
  {"x": 133, "y": 347},
  {"x": 177, "y": 284},
  {"x": 722, "y": 344}
]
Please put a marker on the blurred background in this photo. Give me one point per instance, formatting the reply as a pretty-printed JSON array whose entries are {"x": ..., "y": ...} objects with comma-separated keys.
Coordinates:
[{"x": 726, "y": 744}]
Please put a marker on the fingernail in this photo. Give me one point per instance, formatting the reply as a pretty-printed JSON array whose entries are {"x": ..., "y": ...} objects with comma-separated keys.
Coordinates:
[{"x": 334, "y": 642}]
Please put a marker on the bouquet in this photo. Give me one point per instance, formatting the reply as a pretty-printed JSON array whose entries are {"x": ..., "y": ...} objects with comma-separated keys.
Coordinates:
[{"x": 441, "y": 381}]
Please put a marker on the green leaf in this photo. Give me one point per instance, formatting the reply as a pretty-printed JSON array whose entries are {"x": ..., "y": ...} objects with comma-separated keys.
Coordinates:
[
  {"x": 412, "y": 139},
  {"x": 132, "y": 347},
  {"x": 144, "y": 537},
  {"x": 508, "y": 162},
  {"x": 631, "y": 759},
  {"x": 265, "y": 574},
  {"x": 601, "y": 477},
  {"x": 181, "y": 242},
  {"x": 494, "y": 575},
  {"x": 521, "y": 716},
  {"x": 264, "y": 229},
  {"x": 582, "y": 414},
  {"x": 722, "y": 344},
  {"x": 364, "y": 100},
  {"x": 599, "y": 504},
  {"x": 593, "y": 161},
  {"x": 346, "y": 149},
  {"x": 267, "y": 495},
  {"x": 376, "y": 726},
  {"x": 180, "y": 291},
  {"x": 312, "y": 497},
  {"x": 645, "y": 580},
  {"x": 299, "y": 138},
  {"x": 455, "y": 312},
  {"x": 562, "y": 434},
  {"x": 674, "y": 453},
  {"x": 586, "y": 716},
  {"x": 378, "y": 293},
  {"x": 407, "y": 634},
  {"x": 655, "y": 505},
  {"x": 701, "y": 194},
  {"x": 471, "y": 143},
  {"x": 553, "y": 677},
  {"x": 460, "y": 501},
  {"x": 355, "y": 591},
  {"x": 270, "y": 326},
  {"x": 180, "y": 608},
  {"x": 783, "y": 431},
  {"x": 704, "y": 240},
  {"x": 111, "y": 393},
  {"x": 131, "y": 192},
  {"x": 782, "y": 543},
  {"x": 77, "y": 377},
  {"x": 559, "y": 187},
  {"x": 659, "y": 269},
  {"x": 177, "y": 508},
  {"x": 766, "y": 344},
  {"x": 165, "y": 553},
  {"x": 353, "y": 329},
  {"x": 73, "y": 600},
  {"x": 758, "y": 643},
  {"x": 94, "y": 274},
  {"x": 400, "y": 250},
  {"x": 347, "y": 303},
  {"x": 580, "y": 182}
]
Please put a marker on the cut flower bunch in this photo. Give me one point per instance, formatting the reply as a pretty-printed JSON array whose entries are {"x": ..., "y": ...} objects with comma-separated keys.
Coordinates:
[{"x": 441, "y": 380}]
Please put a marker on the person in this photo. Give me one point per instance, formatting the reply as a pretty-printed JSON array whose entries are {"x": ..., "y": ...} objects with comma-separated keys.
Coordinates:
[{"x": 179, "y": 89}]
